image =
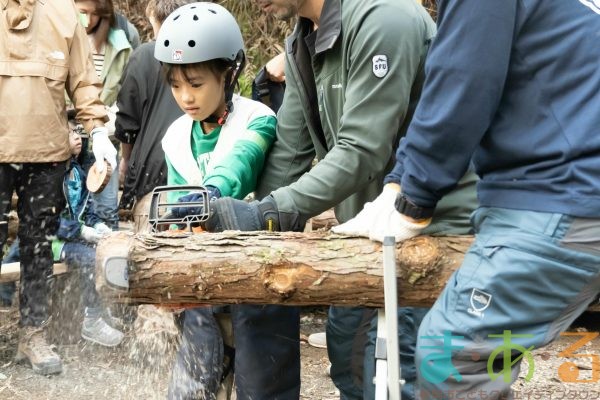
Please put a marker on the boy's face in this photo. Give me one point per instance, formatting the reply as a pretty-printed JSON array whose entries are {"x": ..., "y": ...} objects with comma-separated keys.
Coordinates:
[
  {"x": 201, "y": 94},
  {"x": 75, "y": 144}
]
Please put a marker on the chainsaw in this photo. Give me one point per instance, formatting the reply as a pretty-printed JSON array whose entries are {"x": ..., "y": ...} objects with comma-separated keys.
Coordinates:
[
  {"x": 162, "y": 221},
  {"x": 161, "y": 217}
]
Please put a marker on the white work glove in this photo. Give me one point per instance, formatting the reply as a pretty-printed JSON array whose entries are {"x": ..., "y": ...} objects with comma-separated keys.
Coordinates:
[
  {"x": 103, "y": 148},
  {"x": 380, "y": 218},
  {"x": 102, "y": 229},
  {"x": 90, "y": 235}
]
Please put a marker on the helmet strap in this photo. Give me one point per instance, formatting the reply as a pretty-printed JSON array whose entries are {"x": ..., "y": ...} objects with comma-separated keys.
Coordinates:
[{"x": 231, "y": 80}]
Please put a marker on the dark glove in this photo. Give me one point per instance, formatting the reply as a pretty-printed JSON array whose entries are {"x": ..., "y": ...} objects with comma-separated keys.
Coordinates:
[
  {"x": 231, "y": 214},
  {"x": 180, "y": 212}
]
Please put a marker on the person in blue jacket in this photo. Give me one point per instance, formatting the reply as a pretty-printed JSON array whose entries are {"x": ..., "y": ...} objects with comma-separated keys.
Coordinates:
[{"x": 514, "y": 86}]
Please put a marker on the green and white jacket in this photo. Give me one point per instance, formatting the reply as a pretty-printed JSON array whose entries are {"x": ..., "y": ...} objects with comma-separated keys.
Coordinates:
[{"x": 231, "y": 157}]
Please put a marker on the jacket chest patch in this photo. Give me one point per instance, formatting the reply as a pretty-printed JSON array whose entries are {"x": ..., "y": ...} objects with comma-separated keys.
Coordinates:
[{"x": 380, "y": 66}]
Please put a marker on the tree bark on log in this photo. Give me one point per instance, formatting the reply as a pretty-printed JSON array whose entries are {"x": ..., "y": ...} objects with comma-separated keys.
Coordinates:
[{"x": 277, "y": 268}]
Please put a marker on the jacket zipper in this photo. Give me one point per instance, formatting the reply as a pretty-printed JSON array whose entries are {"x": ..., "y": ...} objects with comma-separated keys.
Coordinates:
[{"x": 326, "y": 114}]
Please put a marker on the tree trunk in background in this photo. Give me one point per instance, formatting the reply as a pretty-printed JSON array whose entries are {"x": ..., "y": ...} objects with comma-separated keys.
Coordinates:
[{"x": 278, "y": 268}]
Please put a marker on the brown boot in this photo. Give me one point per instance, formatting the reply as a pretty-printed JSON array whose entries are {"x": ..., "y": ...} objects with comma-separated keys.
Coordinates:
[{"x": 34, "y": 347}]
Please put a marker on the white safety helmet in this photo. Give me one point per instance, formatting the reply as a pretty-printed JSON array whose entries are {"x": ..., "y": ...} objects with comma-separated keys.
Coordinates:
[{"x": 200, "y": 32}]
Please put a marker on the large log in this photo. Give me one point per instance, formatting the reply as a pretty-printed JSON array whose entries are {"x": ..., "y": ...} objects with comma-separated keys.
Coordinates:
[{"x": 277, "y": 268}]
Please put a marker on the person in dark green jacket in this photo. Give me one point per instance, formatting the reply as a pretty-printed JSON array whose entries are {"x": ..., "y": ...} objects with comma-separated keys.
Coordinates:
[{"x": 351, "y": 88}]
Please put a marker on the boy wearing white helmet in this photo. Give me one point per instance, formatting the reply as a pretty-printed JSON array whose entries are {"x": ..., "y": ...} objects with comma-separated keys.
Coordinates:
[{"x": 220, "y": 142}]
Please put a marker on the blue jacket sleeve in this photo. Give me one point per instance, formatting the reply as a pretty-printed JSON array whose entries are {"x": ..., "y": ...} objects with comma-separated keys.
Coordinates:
[
  {"x": 68, "y": 229},
  {"x": 91, "y": 218},
  {"x": 465, "y": 75}
]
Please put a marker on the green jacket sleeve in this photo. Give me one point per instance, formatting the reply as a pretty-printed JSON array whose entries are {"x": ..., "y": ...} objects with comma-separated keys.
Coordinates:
[
  {"x": 236, "y": 174},
  {"x": 292, "y": 153},
  {"x": 373, "y": 110},
  {"x": 174, "y": 179}
]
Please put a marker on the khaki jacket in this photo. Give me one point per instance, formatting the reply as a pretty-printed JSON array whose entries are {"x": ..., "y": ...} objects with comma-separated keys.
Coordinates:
[{"x": 44, "y": 51}]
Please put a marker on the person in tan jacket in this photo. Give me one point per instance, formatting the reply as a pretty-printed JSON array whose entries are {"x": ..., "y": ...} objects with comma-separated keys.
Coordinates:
[{"x": 44, "y": 51}]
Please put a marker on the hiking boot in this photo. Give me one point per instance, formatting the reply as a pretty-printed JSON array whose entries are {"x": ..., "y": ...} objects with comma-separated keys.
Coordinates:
[
  {"x": 34, "y": 347},
  {"x": 318, "y": 340},
  {"x": 98, "y": 331}
]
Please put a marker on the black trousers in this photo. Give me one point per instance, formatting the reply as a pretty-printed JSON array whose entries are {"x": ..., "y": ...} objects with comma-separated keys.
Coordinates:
[
  {"x": 267, "y": 352},
  {"x": 40, "y": 201}
]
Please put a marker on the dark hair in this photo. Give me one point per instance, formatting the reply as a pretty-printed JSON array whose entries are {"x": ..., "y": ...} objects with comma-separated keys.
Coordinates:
[
  {"x": 104, "y": 9},
  {"x": 217, "y": 67},
  {"x": 161, "y": 9}
]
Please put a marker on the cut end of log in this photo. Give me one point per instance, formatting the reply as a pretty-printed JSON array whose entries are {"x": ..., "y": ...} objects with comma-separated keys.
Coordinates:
[
  {"x": 285, "y": 279},
  {"x": 424, "y": 256}
]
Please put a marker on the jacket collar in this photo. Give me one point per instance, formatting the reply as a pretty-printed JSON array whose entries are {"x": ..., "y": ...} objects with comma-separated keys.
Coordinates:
[
  {"x": 118, "y": 39},
  {"x": 330, "y": 25}
]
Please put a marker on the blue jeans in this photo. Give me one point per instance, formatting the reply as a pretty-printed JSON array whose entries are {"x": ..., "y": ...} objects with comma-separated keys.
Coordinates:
[
  {"x": 199, "y": 362},
  {"x": 107, "y": 201},
  {"x": 525, "y": 279},
  {"x": 82, "y": 256},
  {"x": 351, "y": 336}
]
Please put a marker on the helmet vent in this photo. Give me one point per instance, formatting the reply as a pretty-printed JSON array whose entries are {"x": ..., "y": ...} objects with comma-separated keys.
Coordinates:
[
  {"x": 195, "y": 18},
  {"x": 212, "y": 11},
  {"x": 167, "y": 43},
  {"x": 191, "y": 43},
  {"x": 176, "y": 17}
]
